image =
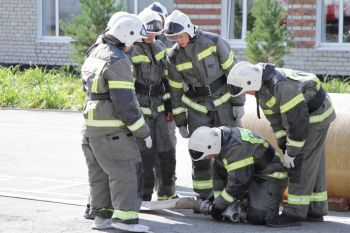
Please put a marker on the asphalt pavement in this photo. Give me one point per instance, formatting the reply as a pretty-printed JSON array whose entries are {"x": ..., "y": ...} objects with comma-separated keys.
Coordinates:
[{"x": 43, "y": 182}]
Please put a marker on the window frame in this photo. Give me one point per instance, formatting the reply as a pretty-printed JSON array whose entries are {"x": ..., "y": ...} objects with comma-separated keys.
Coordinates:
[
  {"x": 225, "y": 23},
  {"x": 330, "y": 45},
  {"x": 49, "y": 39}
]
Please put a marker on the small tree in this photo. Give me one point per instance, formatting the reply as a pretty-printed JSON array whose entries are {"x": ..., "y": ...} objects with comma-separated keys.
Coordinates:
[
  {"x": 89, "y": 24},
  {"x": 268, "y": 41}
]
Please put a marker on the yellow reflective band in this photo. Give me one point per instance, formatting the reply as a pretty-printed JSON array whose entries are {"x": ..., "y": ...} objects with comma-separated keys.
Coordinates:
[
  {"x": 227, "y": 197},
  {"x": 279, "y": 175},
  {"x": 166, "y": 72},
  {"x": 121, "y": 85},
  {"x": 174, "y": 84},
  {"x": 179, "y": 110},
  {"x": 138, "y": 124},
  {"x": 280, "y": 134},
  {"x": 217, "y": 193},
  {"x": 166, "y": 96},
  {"x": 294, "y": 143},
  {"x": 248, "y": 136},
  {"x": 239, "y": 164},
  {"x": 125, "y": 215},
  {"x": 202, "y": 184},
  {"x": 298, "y": 199},
  {"x": 319, "y": 197},
  {"x": 292, "y": 103},
  {"x": 207, "y": 52},
  {"x": 271, "y": 102},
  {"x": 160, "y": 55},
  {"x": 225, "y": 163},
  {"x": 104, "y": 123},
  {"x": 140, "y": 58},
  {"x": 168, "y": 50},
  {"x": 160, "y": 108},
  {"x": 268, "y": 112},
  {"x": 194, "y": 105},
  {"x": 146, "y": 111},
  {"x": 94, "y": 84},
  {"x": 223, "y": 99},
  {"x": 321, "y": 117},
  {"x": 184, "y": 66},
  {"x": 229, "y": 61}
]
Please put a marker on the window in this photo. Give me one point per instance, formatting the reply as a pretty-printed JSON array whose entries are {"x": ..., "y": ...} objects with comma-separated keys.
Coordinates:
[
  {"x": 51, "y": 13},
  {"x": 334, "y": 23},
  {"x": 237, "y": 20}
]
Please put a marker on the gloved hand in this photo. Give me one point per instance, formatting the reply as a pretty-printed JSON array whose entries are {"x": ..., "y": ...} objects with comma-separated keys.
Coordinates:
[
  {"x": 148, "y": 141},
  {"x": 184, "y": 131},
  {"x": 238, "y": 112},
  {"x": 216, "y": 213},
  {"x": 288, "y": 160}
]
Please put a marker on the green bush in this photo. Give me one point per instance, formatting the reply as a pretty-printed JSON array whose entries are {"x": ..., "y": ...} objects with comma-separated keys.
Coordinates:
[
  {"x": 336, "y": 85},
  {"x": 40, "y": 88}
]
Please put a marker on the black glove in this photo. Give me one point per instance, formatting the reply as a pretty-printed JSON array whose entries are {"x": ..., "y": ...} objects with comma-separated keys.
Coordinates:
[
  {"x": 282, "y": 144},
  {"x": 216, "y": 213}
]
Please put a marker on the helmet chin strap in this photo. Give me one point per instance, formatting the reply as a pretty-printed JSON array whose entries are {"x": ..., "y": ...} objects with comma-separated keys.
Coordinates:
[{"x": 257, "y": 104}]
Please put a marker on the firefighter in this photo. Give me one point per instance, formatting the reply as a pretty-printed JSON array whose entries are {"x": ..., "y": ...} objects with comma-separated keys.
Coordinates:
[
  {"x": 198, "y": 64},
  {"x": 248, "y": 175},
  {"x": 300, "y": 112},
  {"x": 112, "y": 121},
  {"x": 148, "y": 58},
  {"x": 89, "y": 212}
]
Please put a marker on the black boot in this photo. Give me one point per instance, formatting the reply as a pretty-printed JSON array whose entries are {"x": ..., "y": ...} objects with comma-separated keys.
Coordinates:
[
  {"x": 314, "y": 218},
  {"x": 89, "y": 213},
  {"x": 283, "y": 220}
]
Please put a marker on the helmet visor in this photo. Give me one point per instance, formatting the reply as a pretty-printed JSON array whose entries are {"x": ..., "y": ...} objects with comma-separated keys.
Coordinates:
[
  {"x": 234, "y": 90},
  {"x": 196, "y": 155},
  {"x": 143, "y": 32},
  {"x": 154, "y": 26},
  {"x": 173, "y": 28}
]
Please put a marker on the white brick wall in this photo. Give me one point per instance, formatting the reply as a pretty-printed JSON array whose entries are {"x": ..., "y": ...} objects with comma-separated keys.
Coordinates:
[{"x": 18, "y": 36}]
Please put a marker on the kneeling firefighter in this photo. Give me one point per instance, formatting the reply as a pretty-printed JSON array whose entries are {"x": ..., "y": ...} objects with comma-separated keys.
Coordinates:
[{"x": 248, "y": 176}]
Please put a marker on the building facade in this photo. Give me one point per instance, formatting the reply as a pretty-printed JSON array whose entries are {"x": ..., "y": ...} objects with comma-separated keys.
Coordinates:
[{"x": 30, "y": 31}]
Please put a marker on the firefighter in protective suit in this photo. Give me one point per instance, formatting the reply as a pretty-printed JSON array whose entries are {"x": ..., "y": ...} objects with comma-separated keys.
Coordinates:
[
  {"x": 112, "y": 121},
  {"x": 198, "y": 64},
  {"x": 89, "y": 212},
  {"x": 300, "y": 112},
  {"x": 248, "y": 175},
  {"x": 148, "y": 58}
]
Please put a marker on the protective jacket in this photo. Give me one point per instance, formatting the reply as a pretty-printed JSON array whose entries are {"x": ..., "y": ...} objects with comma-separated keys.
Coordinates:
[
  {"x": 294, "y": 102},
  {"x": 197, "y": 75},
  {"x": 245, "y": 158},
  {"x": 111, "y": 104},
  {"x": 152, "y": 92}
]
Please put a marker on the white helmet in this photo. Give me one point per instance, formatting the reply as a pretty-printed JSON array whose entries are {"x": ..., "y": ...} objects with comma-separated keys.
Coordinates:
[
  {"x": 160, "y": 9},
  {"x": 128, "y": 29},
  {"x": 204, "y": 141},
  {"x": 115, "y": 17},
  {"x": 152, "y": 21},
  {"x": 177, "y": 23},
  {"x": 244, "y": 77}
]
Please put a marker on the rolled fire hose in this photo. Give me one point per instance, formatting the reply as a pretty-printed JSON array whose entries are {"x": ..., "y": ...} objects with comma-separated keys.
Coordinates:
[{"x": 337, "y": 143}]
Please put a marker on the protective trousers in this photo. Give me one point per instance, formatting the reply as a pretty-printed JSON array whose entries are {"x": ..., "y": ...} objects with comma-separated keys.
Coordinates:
[
  {"x": 307, "y": 189},
  {"x": 162, "y": 152},
  {"x": 201, "y": 170},
  {"x": 115, "y": 174}
]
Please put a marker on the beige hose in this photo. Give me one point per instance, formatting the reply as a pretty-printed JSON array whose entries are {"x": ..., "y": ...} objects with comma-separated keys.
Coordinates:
[{"x": 337, "y": 142}]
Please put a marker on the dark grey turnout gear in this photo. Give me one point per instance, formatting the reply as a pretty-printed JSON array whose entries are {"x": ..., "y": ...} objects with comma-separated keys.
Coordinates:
[
  {"x": 112, "y": 120},
  {"x": 248, "y": 168},
  {"x": 300, "y": 113},
  {"x": 199, "y": 94},
  {"x": 154, "y": 98}
]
